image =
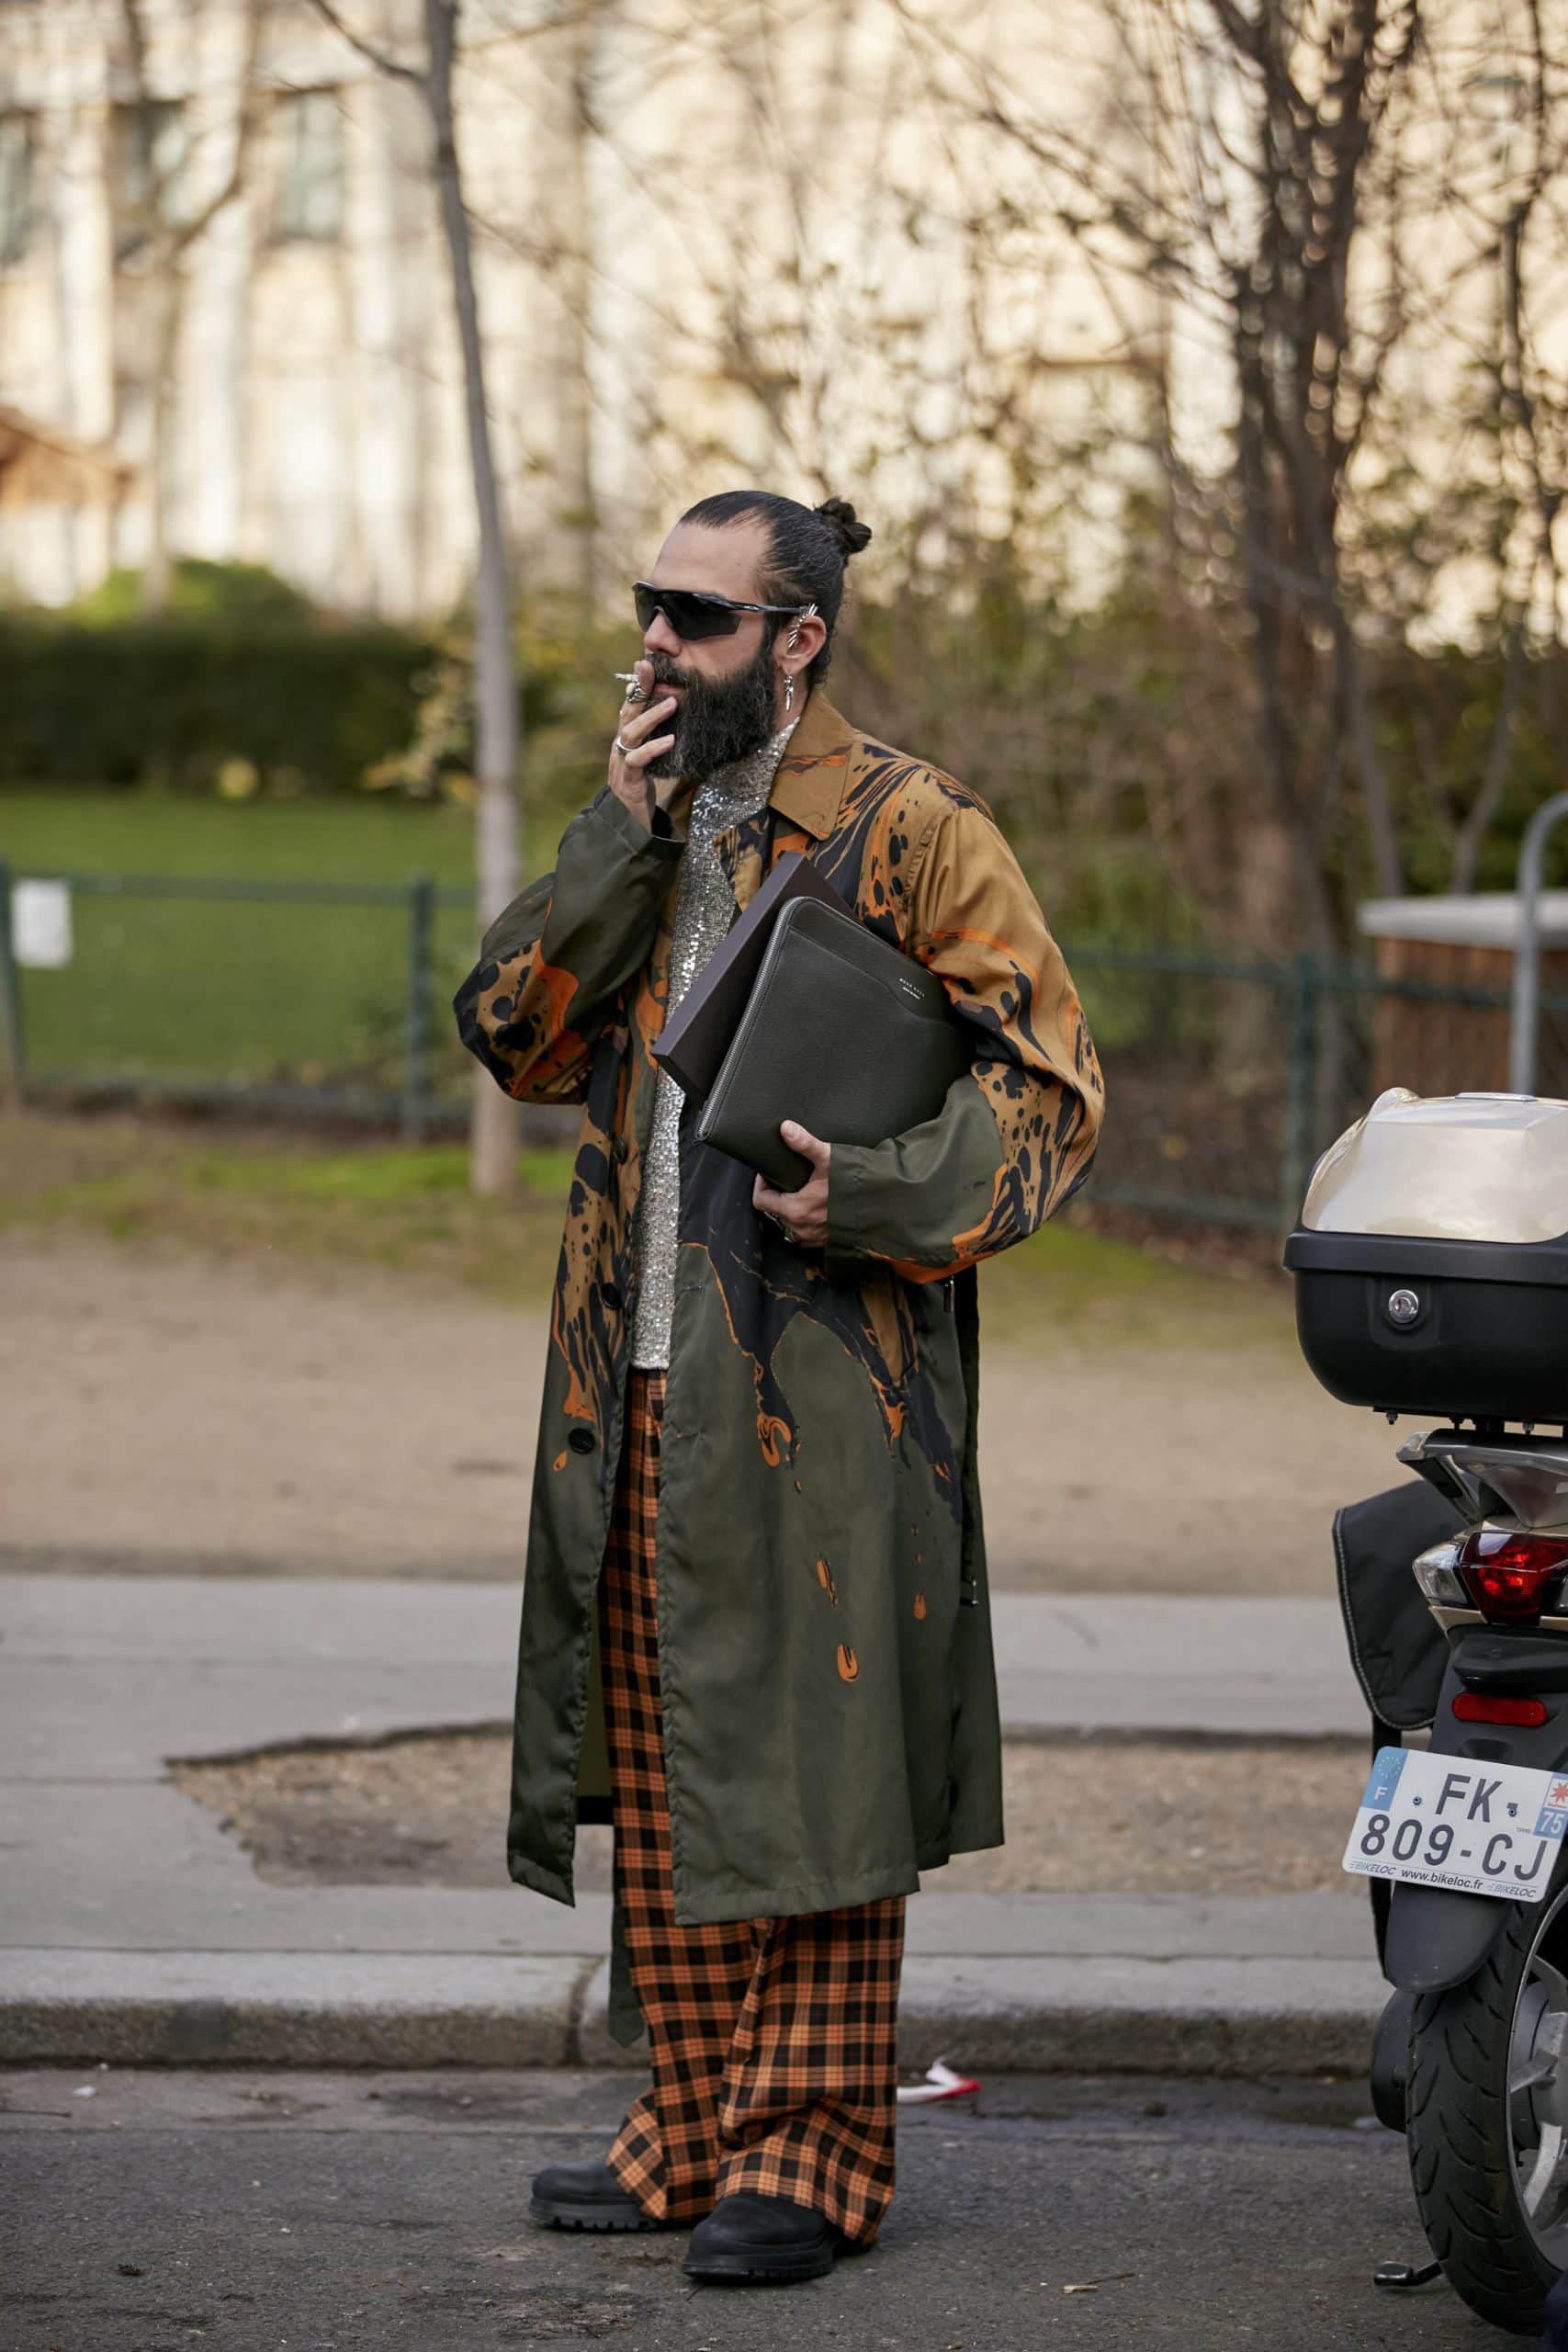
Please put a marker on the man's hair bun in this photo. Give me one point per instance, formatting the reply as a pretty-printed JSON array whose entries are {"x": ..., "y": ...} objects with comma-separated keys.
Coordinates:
[{"x": 848, "y": 533}]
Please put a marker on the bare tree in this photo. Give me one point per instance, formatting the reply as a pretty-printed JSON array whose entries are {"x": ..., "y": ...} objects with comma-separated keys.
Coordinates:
[
  {"x": 498, "y": 830},
  {"x": 1234, "y": 171},
  {"x": 160, "y": 225},
  {"x": 1257, "y": 186}
]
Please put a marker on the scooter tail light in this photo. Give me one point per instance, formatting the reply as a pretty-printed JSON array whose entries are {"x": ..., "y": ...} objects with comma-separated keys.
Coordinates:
[{"x": 1511, "y": 1575}]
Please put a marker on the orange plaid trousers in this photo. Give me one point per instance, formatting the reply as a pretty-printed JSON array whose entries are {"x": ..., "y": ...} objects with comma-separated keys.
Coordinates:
[{"x": 773, "y": 2040}]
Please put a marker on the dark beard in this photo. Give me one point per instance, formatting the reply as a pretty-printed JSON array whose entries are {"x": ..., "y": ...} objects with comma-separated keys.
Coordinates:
[{"x": 717, "y": 724}]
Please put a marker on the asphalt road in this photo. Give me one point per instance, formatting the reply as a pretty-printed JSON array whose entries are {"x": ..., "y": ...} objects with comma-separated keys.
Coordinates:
[{"x": 325, "y": 2213}]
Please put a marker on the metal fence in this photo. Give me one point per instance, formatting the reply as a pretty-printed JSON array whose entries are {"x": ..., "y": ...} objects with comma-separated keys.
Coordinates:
[
  {"x": 293, "y": 1001},
  {"x": 1227, "y": 1080}
]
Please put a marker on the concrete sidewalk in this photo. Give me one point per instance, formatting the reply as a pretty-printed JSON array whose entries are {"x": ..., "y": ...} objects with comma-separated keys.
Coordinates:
[{"x": 133, "y": 1930}]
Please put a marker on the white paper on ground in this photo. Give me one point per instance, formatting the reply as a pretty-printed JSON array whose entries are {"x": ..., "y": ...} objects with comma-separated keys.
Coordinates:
[{"x": 941, "y": 2082}]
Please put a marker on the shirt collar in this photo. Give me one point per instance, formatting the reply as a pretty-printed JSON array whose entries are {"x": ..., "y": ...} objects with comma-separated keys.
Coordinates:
[{"x": 809, "y": 784}]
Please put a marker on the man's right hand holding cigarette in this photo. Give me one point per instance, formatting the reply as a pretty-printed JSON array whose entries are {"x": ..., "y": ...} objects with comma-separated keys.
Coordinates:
[{"x": 636, "y": 744}]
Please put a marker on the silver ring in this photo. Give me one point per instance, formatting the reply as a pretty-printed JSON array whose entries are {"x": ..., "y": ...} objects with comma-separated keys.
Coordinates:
[{"x": 625, "y": 748}]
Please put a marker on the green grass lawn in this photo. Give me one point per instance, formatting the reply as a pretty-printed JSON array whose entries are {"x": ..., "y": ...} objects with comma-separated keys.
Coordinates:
[
  {"x": 367, "y": 840},
  {"x": 372, "y": 838},
  {"x": 184, "y": 991}
]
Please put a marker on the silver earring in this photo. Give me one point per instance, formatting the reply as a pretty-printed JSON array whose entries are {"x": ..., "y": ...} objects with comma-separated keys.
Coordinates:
[
  {"x": 806, "y": 613},
  {"x": 789, "y": 691}
]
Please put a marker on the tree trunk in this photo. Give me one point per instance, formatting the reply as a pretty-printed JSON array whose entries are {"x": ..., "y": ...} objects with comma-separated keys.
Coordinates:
[
  {"x": 577, "y": 390},
  {"x": 1469, "y": 839},
  {"x": 498, "y": 864},
  {"x": 164, "y": 294},
  {"x": 1264, "y": 920},
  {"x": 1377, "y": 804}
]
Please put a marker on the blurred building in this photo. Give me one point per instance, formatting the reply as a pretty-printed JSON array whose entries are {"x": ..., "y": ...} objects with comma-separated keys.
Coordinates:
[
  {"x": 223, "y": 278},
  {"x": 716, "y": 240}
]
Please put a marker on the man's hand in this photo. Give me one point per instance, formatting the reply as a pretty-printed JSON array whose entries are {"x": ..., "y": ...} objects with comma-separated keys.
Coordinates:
[
  {"x": 802, "y": 1215},
  {"x": 638, "y": 730}
]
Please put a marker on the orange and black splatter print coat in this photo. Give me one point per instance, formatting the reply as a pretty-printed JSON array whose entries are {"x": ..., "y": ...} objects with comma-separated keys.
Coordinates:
[{"x": 829, "y": 1697}]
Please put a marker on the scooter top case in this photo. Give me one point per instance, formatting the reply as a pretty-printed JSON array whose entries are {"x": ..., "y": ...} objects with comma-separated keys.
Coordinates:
[{"x": 1431, "y": 1261}]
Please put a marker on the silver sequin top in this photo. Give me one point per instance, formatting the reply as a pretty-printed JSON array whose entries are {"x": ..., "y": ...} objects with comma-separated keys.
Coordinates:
[{"x": 705, "y": 906}]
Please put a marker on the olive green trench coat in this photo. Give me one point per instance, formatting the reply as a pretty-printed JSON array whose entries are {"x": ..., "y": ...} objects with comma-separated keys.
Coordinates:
[{"x": 830, "y": 1703}]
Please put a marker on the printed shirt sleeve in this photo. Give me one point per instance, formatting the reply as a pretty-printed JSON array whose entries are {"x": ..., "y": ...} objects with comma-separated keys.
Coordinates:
[
  {"x": 551, "y": 964},
  {"x": 1017, "y": 1132}
]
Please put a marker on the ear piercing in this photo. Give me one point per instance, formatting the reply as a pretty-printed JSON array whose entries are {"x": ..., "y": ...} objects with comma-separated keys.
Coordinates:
[{"x": 806, "y": 613}]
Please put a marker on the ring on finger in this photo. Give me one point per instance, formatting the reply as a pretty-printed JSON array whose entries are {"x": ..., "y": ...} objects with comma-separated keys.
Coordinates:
[{"x": 625, "y": 750}]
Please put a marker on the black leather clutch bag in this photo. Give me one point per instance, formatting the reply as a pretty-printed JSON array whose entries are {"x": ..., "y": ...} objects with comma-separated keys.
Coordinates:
[{"x": 840, "y": 1030}]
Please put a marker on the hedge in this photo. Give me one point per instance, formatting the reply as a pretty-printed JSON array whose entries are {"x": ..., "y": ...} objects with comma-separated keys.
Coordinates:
[{"x": 169, "y": 701}]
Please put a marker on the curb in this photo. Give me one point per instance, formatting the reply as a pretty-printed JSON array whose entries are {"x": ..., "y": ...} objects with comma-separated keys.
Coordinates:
[
  {"x": 392, "y": 2012},
  {"x": 1120, "y": 2015},
  {"x": 328, "y": 2010}
]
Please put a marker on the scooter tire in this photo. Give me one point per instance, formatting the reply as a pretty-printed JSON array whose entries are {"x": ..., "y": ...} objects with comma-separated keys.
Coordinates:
[{"x": 1459, "y": 2139}]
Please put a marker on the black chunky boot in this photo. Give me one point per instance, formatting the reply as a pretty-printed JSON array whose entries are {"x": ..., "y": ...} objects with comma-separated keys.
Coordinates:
[
  {"x": 749, "y": 2239},
  {"x": 586, "y": 2196}
]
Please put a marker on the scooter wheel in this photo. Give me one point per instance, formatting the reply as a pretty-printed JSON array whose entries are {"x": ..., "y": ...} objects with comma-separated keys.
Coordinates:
[{"x": 1486, "y": 2119}]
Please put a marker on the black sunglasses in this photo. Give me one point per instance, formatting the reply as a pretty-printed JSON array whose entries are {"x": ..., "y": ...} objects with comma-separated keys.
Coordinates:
[{"x": 693, "y": 614}]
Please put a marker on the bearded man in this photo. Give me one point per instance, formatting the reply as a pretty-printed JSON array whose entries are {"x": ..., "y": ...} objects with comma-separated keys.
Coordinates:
[{"x": 755, "y": 1630}]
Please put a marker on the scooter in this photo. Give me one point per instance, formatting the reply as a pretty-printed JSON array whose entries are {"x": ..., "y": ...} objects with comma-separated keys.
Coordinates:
[{"x": 1432, "y": 1274}]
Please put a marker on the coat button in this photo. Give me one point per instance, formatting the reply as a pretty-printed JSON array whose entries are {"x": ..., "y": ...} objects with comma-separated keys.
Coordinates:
[
  {"x": 611, "y": 1292},
  {"x": 581, "y": 1440},
  {"x": 619, "y": 1148}
]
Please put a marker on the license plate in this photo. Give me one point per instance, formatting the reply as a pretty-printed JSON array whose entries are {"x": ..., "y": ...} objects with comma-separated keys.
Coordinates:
[{"x": 1448, "y": 1821}]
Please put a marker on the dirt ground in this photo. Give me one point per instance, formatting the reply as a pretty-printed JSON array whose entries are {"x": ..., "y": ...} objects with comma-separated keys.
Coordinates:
[
  {"x": 1163, "y": 1816},
  {"x": 175, "y": 1408}
]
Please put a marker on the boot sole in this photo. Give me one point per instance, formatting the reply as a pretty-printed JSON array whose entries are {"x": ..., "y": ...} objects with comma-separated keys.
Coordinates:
[
  {"x": 557, "y": 2213},
  {"x": 761, "y": 2270}
]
